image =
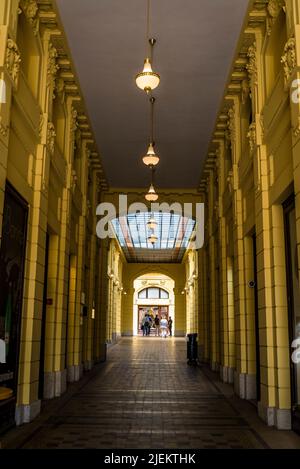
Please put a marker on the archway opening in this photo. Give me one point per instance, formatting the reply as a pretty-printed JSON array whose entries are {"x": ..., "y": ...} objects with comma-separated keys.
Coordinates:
[{"x": 153, "y": 297}]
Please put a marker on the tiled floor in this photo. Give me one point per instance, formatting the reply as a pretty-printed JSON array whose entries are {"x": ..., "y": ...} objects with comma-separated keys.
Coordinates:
[{"x": 146, "y": 396}]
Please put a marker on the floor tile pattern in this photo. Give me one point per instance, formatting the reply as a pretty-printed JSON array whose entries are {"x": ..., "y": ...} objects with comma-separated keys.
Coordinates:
[{"x": 146, "y": 396}]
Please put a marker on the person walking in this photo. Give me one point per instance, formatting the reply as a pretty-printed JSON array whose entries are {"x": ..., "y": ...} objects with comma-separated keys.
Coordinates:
[
  {"x": 156, "y": 324},
  {"x": 170, "y": 325},
  {"x": 149, "y": 324},
  {"x": 164, "y": 327},
  {"x": 145, "y": 325}
]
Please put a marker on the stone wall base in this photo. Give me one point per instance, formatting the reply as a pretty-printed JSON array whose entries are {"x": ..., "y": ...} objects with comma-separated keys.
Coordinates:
[
  {"x": 75, "y": 372},
  {"x": 227, "y": 374},
  {"x": 245, "y": 385},
  {"x": 88, "y": 365},
  {"x": 273, "y": 417},
  {"x": 27, "y": 413},
  {"x": 55, "y": 384},
  {"x": 214, "y": 366}
]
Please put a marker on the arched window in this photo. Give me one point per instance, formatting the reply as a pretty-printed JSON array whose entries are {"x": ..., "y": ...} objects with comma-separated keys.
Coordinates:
[{"x": 153, "y": 294}]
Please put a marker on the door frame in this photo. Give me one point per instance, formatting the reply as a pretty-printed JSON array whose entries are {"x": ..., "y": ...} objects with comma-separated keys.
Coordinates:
[
  {"x": 288, "y": 206},
  {"x": 256, "y": 319},
  {"x": 44, "y": 320},
  {"x": 7, "y": 407}
]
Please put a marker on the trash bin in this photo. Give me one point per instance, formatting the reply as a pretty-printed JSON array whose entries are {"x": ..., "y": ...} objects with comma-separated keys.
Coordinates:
[{"x": 192, "y": 349}]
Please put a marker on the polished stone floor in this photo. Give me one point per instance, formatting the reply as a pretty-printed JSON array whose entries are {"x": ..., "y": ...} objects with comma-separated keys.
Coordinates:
[{"x": 145, "y": 396}]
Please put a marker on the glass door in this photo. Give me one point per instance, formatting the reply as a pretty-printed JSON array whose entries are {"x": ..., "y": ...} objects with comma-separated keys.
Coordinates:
[{"x": 293, "y": 290}]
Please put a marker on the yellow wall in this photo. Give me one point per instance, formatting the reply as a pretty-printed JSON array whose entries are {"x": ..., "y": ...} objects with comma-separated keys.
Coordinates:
[
  {"x": 252, "y": 168},
  {"x": 47, "y": 153}
]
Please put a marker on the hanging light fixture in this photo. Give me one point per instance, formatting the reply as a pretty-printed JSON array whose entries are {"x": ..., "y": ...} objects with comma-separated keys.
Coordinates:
[
  {"x": 148, "y": 80},
  {"x": 151, "y": 195},
  {"x": 152, "y": 223},
  {"x": 153, "y": 238},
  {"x": 151, "y": 159}
]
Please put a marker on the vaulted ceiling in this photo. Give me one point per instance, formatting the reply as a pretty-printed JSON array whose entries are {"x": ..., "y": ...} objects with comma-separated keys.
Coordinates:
[{"x": 196, "y": 41}]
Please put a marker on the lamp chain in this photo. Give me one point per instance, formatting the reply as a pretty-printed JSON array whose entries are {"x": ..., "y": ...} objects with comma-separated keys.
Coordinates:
[
  {"x": 152, "y": 102},
  {"x": 148, "y": 27}
]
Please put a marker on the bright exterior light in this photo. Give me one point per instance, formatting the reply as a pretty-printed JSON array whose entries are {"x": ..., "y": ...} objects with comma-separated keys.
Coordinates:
[
  {"x": 152, "y": 224},
  {"x": 151, "y": 159},
  {"x": 147, "y": 80},
  {"x": 151, "y": 196}
]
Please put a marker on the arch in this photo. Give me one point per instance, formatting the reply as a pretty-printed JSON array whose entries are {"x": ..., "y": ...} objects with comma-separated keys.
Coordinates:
[{"x": 152, "y": 279}]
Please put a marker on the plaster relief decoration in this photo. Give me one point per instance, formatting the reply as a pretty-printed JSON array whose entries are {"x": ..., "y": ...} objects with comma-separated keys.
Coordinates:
[
  {"x": 52, "y": 68},
  {"x": 288, "y": 61},
  {"x": 74, "y": 180},
  {"x": 252, "y": 136},
  {"x": 274, "y": 8},
  {"x": 245, "y": 88},
  {"x": 12, "y": 61},
  {"x": 59, "y": 88},
  {"x": 252, "y": 67},
  {"x": 216, "y": 210},
  {"x": 230, "y": 181},
  {"x": 231, "y": 126},
  {"x": 3, "y": 129},
  {"x": 51, "y": 134},
  {"x": 30, "y": 10}
]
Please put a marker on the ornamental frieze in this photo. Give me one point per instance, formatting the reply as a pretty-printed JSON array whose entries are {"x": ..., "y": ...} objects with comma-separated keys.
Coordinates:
[
  {"x": 288, "y": 60},
  {"x": 52, "y": 66},
  {"x": 252, "y": 66},
  {"x": 252, "y": 136},
  {"x": 12, "y": 61},
  {"x": 30, "y": 10},
  {"x": 274, "y": 7},
  {"x": 51, "y": 134}
]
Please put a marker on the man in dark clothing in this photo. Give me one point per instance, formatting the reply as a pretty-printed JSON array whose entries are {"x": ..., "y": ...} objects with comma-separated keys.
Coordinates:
[{"x": 170, "y": 325}]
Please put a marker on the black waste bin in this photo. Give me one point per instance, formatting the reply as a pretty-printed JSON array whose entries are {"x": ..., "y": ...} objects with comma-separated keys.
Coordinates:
[{"x": 192, "y": 349}]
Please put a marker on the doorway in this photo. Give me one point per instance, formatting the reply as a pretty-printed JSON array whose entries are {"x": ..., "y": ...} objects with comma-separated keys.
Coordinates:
[
  {"x": 12, "y": 263},
  {"x": 153, "y": 294},
  {"x": 293, "y": 293},
  {"x": 152, "y": 311}
]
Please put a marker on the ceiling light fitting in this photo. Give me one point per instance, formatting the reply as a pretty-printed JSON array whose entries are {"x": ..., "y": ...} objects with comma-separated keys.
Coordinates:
[
  {"x": 151, "y": 196},
  {"x": 151, "y": 158},
  {"x": 153, "y": 238},
  {"x": 152, "y": 223},
  {"x": 148, "y": 80}
]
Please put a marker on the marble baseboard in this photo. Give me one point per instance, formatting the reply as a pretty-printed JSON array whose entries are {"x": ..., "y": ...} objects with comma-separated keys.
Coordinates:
[
  {"x": 75, "y": 372},
  {"x": 55, "y": 384},
  {"x": 227, "y": 374},
  {"x": 27, "y": 413},
  {"x": 273, "y": 417},
  {"x": 245, "y": 385}
]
